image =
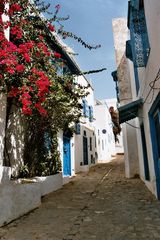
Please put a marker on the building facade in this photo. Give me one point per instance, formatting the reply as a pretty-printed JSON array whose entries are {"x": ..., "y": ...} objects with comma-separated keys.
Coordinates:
[
  {"x": 140, "y": 72},
  {"x": 104, "y": 135}
]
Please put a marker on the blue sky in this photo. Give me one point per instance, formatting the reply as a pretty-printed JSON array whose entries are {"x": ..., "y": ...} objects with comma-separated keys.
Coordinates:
[{"x": 92, "y": 21}]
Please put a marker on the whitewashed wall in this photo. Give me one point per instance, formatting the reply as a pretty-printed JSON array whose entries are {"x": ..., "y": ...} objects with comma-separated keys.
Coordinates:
[
  {"x": 105, "y": 141},
  {"x": 152, "y": 12},
  {"x": 127, "y": 94},
  {"x": 87, "y": 126},
  {"x": 5, "y": 172},
  {"x": 79, "y": 161},
  {"x": 146, "y": 76}
]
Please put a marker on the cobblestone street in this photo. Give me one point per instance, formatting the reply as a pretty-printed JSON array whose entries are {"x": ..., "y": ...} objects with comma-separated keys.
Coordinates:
[{"x": 100, "y": 205}]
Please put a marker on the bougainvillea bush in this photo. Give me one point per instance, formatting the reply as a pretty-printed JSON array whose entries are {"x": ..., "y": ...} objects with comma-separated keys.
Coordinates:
[
  {"x": 26, "y": 71},
  {"x": 45, "y": 100}
]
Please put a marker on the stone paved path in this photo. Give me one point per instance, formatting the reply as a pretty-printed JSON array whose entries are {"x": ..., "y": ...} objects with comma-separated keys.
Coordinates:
[{"x": 99, "y": 205}]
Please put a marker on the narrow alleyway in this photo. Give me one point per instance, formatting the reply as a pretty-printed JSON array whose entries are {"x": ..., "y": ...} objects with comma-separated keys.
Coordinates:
[{"x": 100, "y": 205}]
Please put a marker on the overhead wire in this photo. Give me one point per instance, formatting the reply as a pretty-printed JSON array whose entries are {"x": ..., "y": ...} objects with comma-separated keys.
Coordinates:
[
  {"x": 152, "y": 88},
  {"x": 132, "y": 125}
]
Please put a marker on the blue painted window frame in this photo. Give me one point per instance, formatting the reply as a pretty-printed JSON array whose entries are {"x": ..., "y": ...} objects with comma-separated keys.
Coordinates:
[
  {"x": 139, "y": 37},
  {"x": 85, "y": 108},
  {"x": 154, "y": 108},
  {"x": 91, "y": 113},
  {"x": 145, "y": 155},
  {"x": 77, "y": 128}
]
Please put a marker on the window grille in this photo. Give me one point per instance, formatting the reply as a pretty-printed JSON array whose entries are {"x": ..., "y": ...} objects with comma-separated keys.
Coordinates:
[{"x": 139, "y": 35}]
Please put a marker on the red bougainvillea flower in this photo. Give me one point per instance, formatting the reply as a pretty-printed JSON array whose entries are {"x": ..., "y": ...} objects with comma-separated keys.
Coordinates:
[
  {"x": 51, "y": 27},
  {"x": 41, "y": 38},
  {"x": 11, "y": 47},
  {"x": 43, "y": 48},
  {"x": 41, "y": 110},
  {"x": 16, "y": 32},
  {"x": 20, "y": 68},
  {"x": 10, "y": 70},
  {"x": 26, "y": 102},
  {"x": 1, "y": 36},
  {"x": 57, "y": 55},
  {"x": 26, "y": 95},
  {"x": 14, "y": 92},
  {"x": 16, "y": 7},
  {"x": 3, "y": 53},
  {"x": 27, "y": 57},
  {"x": 26, "y": 110}
]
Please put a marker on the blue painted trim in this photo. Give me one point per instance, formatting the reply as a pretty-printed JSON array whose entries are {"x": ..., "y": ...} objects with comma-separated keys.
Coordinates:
[
  {"x": 85, "y": 108},
  {"x": 91, "y": 113},
  {"x": 145, "y": 155},
  {"x": 136, "y": 79},
  {"x": 153, "y": 109},
  {"x": 139, "y": 42},
  {"x": 77, "y": 128},
  {"x": 135, "y": 4}
]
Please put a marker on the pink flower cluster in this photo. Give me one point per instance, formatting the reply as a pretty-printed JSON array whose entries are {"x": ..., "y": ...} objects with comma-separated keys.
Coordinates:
[{"x": 19, "y": 62}]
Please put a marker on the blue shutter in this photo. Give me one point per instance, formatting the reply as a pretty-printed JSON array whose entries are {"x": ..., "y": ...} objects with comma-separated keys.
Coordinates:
[
  {"x": 139, "y": 36},
  {"x": 135, "y": 4},
  {"x": 90, "y": 113},
  {"x": 77, "y": 128},
  {"x": 85, "y": 108},
  {"x": 129, "y": 50}
]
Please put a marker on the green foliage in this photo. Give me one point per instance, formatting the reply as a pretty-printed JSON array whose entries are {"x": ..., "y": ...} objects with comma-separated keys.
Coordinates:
[{"x": 23, "y": 171}]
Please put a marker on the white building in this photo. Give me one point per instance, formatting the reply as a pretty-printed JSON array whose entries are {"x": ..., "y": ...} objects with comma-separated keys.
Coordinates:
[
  {"x": 121, "y": 35},
  {"x": 138, "y": 78},
  {"x": 85, "y": 145},
  {"x": 104, "y": 135},
  {"x": 78, "y": 153}
]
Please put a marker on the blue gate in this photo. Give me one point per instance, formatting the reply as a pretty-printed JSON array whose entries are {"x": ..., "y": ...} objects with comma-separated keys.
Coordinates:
[{"x": 66, "y": 156}]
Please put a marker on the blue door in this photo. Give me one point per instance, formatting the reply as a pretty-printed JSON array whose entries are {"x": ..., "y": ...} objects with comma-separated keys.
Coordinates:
[
  {"x": 155, "y": 134},
  {"x": 85, "y": 150},
  {"x": 66, "y": 156},
  {"x": 145, "y": 156}
]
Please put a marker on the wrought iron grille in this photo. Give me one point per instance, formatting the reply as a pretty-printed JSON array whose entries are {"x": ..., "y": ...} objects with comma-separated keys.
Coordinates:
[{"x": 139, "y": 37}]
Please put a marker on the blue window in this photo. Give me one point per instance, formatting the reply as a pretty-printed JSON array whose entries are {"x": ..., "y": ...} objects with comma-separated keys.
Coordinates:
[
  {"x": 129, "y": 50},
  {"x": 138, "y": 48},
  {"x": 90, "y": 113},
  {"x": 77, "y": 128},
  {"x": 85, "y": 108},
  {"x": 138, "y": 31}
]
